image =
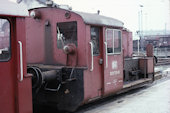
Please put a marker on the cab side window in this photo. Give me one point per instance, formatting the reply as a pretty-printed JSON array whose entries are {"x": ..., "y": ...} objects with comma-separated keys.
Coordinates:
[
  {"x": 95, "y": 40},
  {"x": 4, "y": 40},
  {"x": 117, "y": 41},
  {"x": 113, "y": 39},
  {"x": 66, "y": 33}
]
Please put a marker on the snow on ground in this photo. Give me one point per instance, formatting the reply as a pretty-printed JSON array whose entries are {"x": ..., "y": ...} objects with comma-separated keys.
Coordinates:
[
  {"x": 165, "y": 70},
  {"x": 155, "y": 99}
]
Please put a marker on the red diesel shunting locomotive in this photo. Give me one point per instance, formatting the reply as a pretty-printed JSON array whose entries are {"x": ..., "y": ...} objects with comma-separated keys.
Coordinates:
[
  {"x": 77, "y": 57},
  {"x": 74, "y": 58},
  {"x": 94, "y": 69}
]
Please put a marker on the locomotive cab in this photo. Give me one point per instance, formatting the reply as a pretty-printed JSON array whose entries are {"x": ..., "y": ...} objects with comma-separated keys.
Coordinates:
[
  {"x": 79, "y": 56},
  {"x": 74, "y": 57}
]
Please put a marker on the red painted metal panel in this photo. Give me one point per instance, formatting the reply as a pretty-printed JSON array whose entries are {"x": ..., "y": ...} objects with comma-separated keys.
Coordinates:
[
  {"x": 15, "y": 96},
  {"x": 130, "y": 44},
  {"x": 24, "y": 88},
  {"x": 113, "y": 73},
  {"x": 146, "y": 65},
  {"x": 93, "y": 79},
  {"x": 7, "y": 86},
  {"x": 150, "y": 65},
  {"x": 36, "y": 37},
  {"x": 149, "y": 50},
  {"x": 34, "y": 41},
  {"x": 102, "y": 81},
  {"x": 127, "y": 43},
  {"x": 59, "y": 56},
  {"x": 25, "y": 96},
  {"x": 8, "y": 77}
]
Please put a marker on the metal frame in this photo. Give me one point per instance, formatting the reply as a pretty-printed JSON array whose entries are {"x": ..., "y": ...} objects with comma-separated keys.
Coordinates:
[
  {"x": 113, "y": 41},
  {"x": 10, "y": 52}
]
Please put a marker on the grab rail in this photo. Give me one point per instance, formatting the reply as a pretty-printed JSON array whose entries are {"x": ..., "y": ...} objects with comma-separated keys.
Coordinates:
[
  {"x": 91, "y": 45},
  {"x": 106, "y": 54},
  {"x": 21, "y": 61}
]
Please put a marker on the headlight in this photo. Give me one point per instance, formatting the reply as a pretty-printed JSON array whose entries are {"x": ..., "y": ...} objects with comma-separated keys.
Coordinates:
[
  {"x": 35, "y": 14},
  {"x": 32, "y": 14}
]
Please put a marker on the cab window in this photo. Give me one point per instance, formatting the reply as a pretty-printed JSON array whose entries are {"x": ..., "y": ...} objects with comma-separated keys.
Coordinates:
[
  {"x": 95, "y": 40},
  {"x": 4, "y": 40},
  {"x": 113, "y": 39},
  {"x": 66, "y": 33}
]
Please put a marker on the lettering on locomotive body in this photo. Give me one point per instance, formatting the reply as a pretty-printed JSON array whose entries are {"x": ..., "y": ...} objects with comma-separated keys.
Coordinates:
[
  {"x": 120, "y": 81},
  {"x": 117, "y": 72},
  {"x": 114, "y": 82},
  {"x": 108, "y": 83},
  {"x": 114, "y": 64}
]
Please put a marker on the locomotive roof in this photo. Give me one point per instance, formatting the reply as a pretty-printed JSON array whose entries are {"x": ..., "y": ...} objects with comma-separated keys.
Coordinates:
[
  {"x": 96, "y": 19},
  {"x": 10, "y": 8}
]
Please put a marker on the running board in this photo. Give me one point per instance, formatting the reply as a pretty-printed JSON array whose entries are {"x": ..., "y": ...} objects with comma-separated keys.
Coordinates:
[{"x": 135, "y": 84}]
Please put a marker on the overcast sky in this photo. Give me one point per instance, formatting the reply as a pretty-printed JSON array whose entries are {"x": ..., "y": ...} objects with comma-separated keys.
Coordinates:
[{"x": 155, "y": 12}]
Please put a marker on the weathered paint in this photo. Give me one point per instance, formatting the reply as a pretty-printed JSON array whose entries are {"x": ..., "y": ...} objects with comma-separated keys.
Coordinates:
[
  {"x": 127, "y": 43},
  {"x": 94, "y": 81},
  {"x": 8, "y": 79},
  {"x": 15, "y": 95},
  {"x": 36, "y": 40},
  {"x": 24, "y": 88},
  {"x": 99, "y": 81}
]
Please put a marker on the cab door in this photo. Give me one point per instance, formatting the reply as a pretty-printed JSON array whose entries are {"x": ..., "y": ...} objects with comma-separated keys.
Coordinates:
[
  {"x": 96, "y": 61},
  {"x": 8, "y": 70},
  {"x": 113, "y": 61},
  {"x": 15, "y": 90}
]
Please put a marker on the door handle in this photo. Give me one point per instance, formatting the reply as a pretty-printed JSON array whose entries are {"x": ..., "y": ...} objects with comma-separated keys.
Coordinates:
[
  {"x": 21, "y": 61},
  {"x": 91, "y": 46},
  {"x": 105, "y": 43}
]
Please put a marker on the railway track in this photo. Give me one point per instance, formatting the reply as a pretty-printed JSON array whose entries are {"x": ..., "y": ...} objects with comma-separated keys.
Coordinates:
[{"x": 163, "y": 61}]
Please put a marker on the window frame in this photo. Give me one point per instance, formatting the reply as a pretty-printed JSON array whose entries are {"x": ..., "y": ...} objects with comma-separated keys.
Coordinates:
[
  {"x": 10, "y": 50},
  {"x": 76, "y": 44},
  {"x": 113, "y": 29},
  {"x": 98, "y": 39}
]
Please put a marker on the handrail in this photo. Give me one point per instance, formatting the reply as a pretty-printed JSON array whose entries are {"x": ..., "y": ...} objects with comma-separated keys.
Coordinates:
[
  {"x": 106, "y": 54},
  {"x": 21, "y": 61},
  {"x": 91, "y": 45}
]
